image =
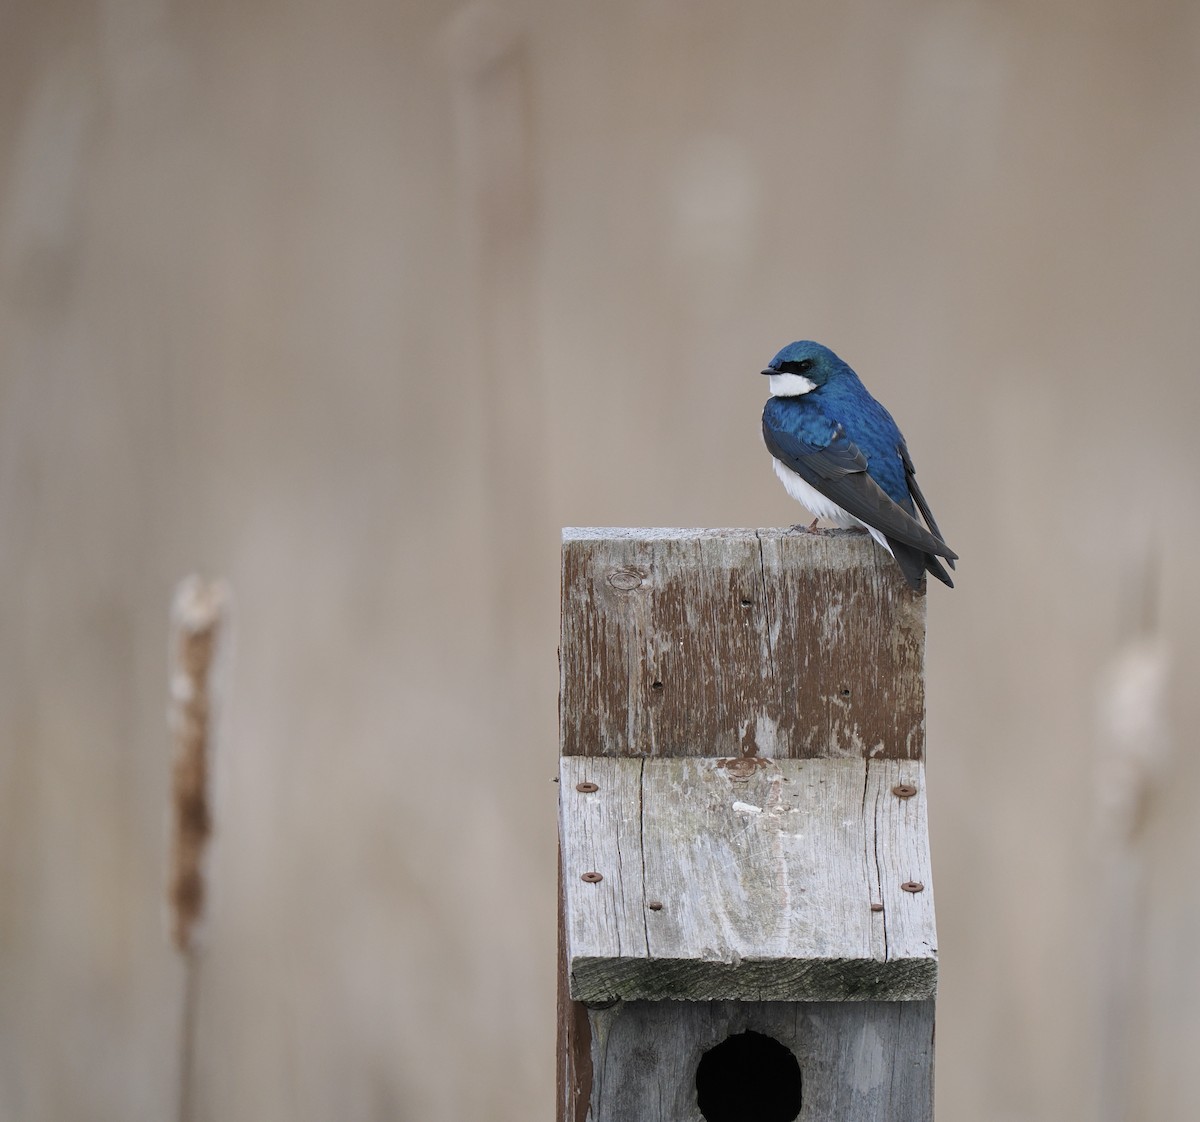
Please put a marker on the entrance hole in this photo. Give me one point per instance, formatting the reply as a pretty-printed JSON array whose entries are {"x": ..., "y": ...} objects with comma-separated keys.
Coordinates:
[{"x": 748, "y": 1078}]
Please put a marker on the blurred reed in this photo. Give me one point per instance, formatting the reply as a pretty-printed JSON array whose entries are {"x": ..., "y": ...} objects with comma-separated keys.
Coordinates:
[{"x": 198, "y": 614}]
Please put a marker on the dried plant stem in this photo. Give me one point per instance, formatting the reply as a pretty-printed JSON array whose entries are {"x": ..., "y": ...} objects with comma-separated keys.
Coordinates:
[
  {"x": 1133, "y": 765},
  {"x": 197, "y": 615},
  {"x": 187, "y": 1035}
]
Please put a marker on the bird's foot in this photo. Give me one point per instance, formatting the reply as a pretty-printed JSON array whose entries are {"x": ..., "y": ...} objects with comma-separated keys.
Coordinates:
[{"x": 800, "y": 528}]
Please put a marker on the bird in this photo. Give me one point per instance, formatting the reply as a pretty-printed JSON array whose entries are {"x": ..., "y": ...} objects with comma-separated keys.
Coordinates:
[{"x": 838, "y": 452}]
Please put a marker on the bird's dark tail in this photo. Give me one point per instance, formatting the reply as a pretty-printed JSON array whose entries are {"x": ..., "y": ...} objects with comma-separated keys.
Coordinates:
[{"x": 914, "y": 562}]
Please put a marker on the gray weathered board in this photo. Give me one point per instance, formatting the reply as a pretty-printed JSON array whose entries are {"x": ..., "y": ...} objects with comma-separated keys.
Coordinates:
[
  {"x": 710, "y": 679},
  {"x": 862, "y": 1061},
  {"x": 749, "y": 879},
  {"x": 738, "y": 642}
]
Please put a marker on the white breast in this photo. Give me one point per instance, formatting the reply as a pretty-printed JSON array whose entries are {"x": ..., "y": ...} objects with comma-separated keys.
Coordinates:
[{"x": 822, "y": 507}]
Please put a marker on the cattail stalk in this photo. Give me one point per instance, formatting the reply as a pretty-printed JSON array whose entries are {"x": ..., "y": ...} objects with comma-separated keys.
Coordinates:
[
  {"x": 197, "y": 616},
  {"x": 1133, "y": 765}
]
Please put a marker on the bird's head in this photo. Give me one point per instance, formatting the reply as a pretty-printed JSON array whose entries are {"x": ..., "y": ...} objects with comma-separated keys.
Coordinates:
[{"x": 803, "y": 367}]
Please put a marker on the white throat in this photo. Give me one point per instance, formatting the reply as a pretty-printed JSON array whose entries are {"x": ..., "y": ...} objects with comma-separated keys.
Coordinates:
[{"x": 790, "y": 385}]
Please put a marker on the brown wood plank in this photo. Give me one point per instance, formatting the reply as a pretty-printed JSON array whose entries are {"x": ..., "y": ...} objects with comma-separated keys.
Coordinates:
[
  {"x": 573, "y": 1083},
  {"x": 738, "y": 643}
]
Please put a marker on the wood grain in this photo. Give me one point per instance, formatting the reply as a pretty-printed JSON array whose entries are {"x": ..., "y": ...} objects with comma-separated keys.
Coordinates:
[
  {"x": 764, "y": 873},
  {"x": 738, "y": 642},
  {"x": 744, "y": 703},
  {"x": 864, "y": 1061},
  {"x": 573, "y": 1073}
]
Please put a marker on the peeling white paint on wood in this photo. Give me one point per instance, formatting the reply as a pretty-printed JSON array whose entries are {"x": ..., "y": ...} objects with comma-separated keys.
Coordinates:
[
  {"x": 766, "y": 878},
  {"x": 738, "y": 642},
  {"x": 745, "y": 704}
]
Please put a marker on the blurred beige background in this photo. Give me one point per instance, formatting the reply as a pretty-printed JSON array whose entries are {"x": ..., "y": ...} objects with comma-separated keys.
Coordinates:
[{"x": 358, "y": 303}]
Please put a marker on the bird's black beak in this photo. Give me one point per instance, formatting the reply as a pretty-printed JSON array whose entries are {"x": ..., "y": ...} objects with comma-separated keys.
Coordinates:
[{"x": 770, "y": 370}]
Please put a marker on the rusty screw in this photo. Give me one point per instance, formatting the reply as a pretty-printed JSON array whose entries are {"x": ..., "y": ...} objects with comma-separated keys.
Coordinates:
[
  {"x": 913, "y": 886},
  {"x": 586, "y": 788},
  {"x": 654, "y": 905},
  {"x": 592, "y": 878},
  {"x": 904, "y": 790},
  {"x": 877, "y": 907}
]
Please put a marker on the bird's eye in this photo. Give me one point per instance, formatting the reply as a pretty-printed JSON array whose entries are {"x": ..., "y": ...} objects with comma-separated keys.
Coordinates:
[{"x": 801, "y": 367}]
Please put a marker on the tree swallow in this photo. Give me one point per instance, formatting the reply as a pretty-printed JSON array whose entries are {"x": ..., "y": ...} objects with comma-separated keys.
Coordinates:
[{"x": 840, "y": 454}]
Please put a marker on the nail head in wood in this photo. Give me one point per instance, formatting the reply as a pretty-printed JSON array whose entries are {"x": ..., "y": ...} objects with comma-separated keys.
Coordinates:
[
  {"x": 748, "y": 784},
  {"x": 632, "y": 600},
  {"x": 586, "y": 788},
  {"x": 742, "y": 767},
  {"x": 627, "y": 578},
  {"x": 720, "y": 847}
]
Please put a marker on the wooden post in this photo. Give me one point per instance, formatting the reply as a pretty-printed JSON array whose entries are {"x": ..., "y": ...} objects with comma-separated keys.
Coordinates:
[{"x": 746, "y": 921}]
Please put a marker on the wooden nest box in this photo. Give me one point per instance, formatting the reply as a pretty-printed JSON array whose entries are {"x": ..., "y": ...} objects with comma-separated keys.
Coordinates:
[{"x": 747, "y": 928}]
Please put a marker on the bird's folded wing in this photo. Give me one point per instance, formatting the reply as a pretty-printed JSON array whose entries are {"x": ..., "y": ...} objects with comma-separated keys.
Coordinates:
[
  {"x": 839, "y": 471},
  {"x": 910, "y": 475}
]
